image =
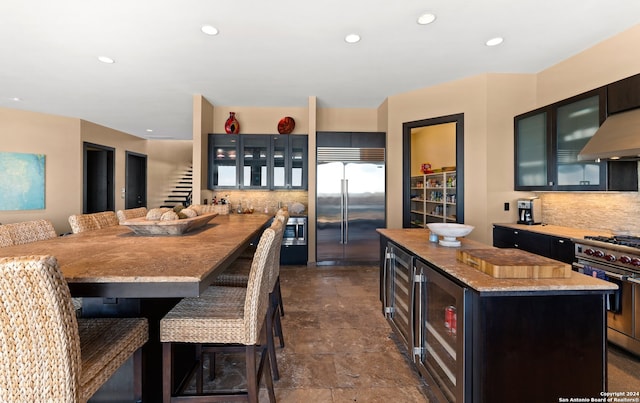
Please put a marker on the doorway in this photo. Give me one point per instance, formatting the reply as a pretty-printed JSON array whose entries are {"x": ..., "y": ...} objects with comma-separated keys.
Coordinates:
[
  {"x": 135, "y": 180},
  {"x": 98, "y": 184},
  {"x": 407, "y": 129}
]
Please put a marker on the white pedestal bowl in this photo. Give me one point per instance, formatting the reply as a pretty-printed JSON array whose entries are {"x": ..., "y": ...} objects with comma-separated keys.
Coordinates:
[{"x": 449, "y": 232}]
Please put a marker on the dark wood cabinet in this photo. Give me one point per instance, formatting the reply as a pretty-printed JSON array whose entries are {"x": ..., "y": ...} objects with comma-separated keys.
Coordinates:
[
  {"x": 257, "y": 161},
  {"x": 623, "y": 95},
  {"x": 351, "y": 139},
  {"x": 547, "y": 142},
  {"x": 553, "y": 247}
]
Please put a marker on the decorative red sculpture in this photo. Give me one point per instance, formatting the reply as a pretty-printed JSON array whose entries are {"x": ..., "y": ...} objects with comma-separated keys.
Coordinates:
[
  {"x": 286, "y": 125},
  {"x": 232, "y": 126}
]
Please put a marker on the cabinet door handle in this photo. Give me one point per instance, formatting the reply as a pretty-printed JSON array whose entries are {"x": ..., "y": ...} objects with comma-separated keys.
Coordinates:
[{"x": 560, "y": 240}]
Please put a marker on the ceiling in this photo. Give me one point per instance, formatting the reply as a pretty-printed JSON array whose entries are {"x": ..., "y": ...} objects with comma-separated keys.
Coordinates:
[{"x": 271, "y": 53}]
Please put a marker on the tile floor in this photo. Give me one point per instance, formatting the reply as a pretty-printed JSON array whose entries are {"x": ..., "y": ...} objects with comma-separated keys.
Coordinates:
[{"x": 339, "y": 348}]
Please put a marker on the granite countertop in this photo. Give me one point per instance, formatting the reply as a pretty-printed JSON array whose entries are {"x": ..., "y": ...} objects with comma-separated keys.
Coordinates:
[
  {"x": 417, "y": 242},
  {"x": 116, "y": 256},
  {"x": 555, "y": 230}
]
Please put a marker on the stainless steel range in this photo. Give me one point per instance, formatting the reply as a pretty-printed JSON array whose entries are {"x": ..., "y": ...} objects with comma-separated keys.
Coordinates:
[{"x": 616, "y": 259}]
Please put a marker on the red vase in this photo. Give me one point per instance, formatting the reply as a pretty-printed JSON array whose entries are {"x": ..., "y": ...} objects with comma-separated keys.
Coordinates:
[{"x": 232, "y": 126}]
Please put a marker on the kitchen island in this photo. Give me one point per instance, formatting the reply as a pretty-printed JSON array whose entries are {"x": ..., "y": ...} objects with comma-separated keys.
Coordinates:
[{"x": 476, "y": 338}]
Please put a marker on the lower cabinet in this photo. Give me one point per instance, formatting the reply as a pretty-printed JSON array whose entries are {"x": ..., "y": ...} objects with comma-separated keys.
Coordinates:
[
  {"x": 553, "y": 247},
  {"x": 496, "y": 346}
]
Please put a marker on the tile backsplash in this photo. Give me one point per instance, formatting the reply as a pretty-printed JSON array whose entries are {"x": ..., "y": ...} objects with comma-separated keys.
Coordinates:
[
  {"x": 259, "y": 199},
  {"x": 606, "y": 211}
]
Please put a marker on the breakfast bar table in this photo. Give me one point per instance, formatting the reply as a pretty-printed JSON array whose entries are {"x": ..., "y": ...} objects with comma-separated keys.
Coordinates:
[{"x": 121, "y": 273}]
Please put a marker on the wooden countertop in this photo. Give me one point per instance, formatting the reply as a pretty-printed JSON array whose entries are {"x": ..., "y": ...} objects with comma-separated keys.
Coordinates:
[
  {"x": 417, "y": 242},
  {"x": 115, "y": 262},
  {"x": 556, "y": 230}
]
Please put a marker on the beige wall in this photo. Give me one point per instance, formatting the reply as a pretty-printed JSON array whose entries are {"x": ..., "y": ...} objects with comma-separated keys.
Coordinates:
[
  {"x": 121, "y": 142},
  {"x": 489, "y": 103},
  {"x": 167, "y": 160},
  {"x": 466, "y": 96},
  {"x": 609, "y": 61},
  {"x": 433, "y": 144},
  {"x": 60, "y": 139},
  {"x": 346, "y": 120}
]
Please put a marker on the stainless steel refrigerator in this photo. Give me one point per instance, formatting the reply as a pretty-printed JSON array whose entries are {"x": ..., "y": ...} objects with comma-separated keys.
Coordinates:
[{"x": 350, "y": 204}]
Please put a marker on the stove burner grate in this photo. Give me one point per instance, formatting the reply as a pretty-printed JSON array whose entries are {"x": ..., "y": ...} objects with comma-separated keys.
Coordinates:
[{"x": 625, "y": 240}]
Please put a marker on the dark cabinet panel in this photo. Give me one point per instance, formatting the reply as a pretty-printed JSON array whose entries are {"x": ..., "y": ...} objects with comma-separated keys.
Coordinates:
[
  {"x": 548, "y": 140},
  {"x": 553, "y": 247},
  {"x": 255, "y": 161},
  {"x": 351, "y": 139},
  {"x": 223, "y": 161},
  {"x": 623, "y": 95}
]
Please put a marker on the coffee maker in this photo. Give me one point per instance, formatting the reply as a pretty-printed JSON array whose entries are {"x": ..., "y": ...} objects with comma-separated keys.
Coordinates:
[{"x": 529, "y": 211}]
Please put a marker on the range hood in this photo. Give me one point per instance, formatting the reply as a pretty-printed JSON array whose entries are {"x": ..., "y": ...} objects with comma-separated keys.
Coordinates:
[{"x": 619, "y": 136}]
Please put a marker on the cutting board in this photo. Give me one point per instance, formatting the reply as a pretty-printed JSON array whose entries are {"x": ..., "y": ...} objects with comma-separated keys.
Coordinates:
[{"x": 513, "y": 263}]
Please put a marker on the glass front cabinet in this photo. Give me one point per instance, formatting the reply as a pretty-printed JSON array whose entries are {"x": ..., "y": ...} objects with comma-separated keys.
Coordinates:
[
  {"x": 223, "y": 161},
  {"x": 548, "y": 140},
  {"x": 257, "y": 161}
]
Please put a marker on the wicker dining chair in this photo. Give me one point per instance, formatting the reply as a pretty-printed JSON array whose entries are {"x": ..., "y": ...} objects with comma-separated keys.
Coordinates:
[
  {"x": 93, "y": 221},
  {"x": 226, "y": 320},
  {"x": 30, "y": 231},
  {"x": 46, "y": 353},
  {"x": 5, "y": 236},
  {"x": 237, "y": 275},
  {"x": 124, "y": 215}
]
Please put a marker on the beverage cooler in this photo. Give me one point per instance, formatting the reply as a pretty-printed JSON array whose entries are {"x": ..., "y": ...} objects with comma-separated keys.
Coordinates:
[
  {"x": 429, "y": 313},
  {"x": 399, "y": 293},
  {"x": 440, "y": 320}
]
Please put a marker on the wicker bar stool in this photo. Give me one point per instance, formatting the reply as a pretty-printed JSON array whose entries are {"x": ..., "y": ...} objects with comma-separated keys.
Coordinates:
[
  {"x": 46, "y": 353},
  {"x": 222, "y": 319},
  {"x": 124, "y": 215},
  {"x": 237, "y": 275}
]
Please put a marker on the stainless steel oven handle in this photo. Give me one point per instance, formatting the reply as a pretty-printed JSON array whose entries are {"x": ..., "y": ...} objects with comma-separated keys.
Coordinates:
[
  {"x": 621, "y": 277},
  {"x": 615, "y": 275}
]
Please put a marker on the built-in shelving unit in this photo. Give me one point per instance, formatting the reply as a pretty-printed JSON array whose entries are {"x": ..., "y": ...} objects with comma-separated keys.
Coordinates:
[{"x": 433, "y": 198}]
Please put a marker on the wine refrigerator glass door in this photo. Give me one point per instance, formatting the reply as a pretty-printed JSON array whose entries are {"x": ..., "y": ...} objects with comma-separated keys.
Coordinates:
[
  {"x": 440, "y": 330},
  {"x": 399, "y": 293}
]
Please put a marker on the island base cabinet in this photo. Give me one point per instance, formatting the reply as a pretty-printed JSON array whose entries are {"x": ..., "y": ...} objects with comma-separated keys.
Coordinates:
[
  {"x": 441, "y": 330},
  {"x": 538, "y": 349}
]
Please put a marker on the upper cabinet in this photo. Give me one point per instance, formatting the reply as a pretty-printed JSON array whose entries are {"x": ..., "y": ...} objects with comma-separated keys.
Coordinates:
[
  {"x": 548, "y": 140},
  {"x": 576, "y": 121},
  {"x": 248, "y": 161},
  {"x": 223, "y": 163}
]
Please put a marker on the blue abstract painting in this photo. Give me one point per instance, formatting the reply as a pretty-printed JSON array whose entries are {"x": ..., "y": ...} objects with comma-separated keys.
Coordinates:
[{"x": 21, "y": 181}]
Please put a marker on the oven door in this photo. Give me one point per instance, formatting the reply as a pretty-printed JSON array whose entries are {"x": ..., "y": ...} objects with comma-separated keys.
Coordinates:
[{"x": 620, "y": 303}]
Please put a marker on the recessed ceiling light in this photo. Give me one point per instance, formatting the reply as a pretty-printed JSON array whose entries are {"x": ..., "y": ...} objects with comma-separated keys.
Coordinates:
[
  {"x": 426, "y": 18},
  {"x": 149, "y": 130},
  {"x": 105, "y": 59},
  {"x": 494, "y": 41},
  {"x": 15, "y": 99},
  {"x": 352, "y": 38},
  {"x": 209, "y": 30}
]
